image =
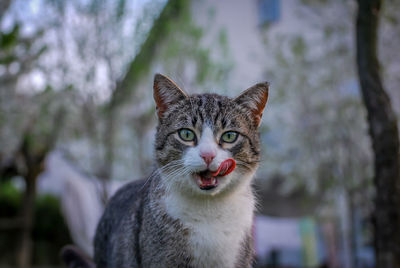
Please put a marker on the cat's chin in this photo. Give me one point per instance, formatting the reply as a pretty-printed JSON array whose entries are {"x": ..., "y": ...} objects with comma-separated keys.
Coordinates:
[
  {"x": 213, "y": 187},
  {"x": 210, "y": 186}
]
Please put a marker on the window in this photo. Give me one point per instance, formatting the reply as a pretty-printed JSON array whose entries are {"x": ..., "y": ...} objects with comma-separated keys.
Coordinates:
[{"x": 269, "y": 11}]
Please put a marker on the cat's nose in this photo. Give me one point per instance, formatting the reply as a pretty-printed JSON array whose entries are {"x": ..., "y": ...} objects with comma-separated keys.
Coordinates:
[{"x": 208, "y": 157}]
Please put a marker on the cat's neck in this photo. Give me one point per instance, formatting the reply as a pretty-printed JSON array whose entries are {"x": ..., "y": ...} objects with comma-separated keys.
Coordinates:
[
  {"x": 218, "y": 224},
  {"x": 178, "y": 204}
]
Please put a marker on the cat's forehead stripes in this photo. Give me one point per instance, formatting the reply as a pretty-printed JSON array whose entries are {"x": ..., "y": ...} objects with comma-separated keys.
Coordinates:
[
  {"x": 217, "y": 112},
  {"x": 213, "y": 110}
]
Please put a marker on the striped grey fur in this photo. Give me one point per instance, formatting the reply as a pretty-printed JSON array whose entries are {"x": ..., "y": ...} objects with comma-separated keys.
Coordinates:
[{"x": 136, "y": 229}]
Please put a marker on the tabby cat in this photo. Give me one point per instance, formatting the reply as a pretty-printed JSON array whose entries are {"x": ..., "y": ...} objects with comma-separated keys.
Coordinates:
[{"x": 196, "y": 209}]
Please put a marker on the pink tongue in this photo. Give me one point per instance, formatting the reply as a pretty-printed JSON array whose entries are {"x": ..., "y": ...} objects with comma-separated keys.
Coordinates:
[{"x": 225, "y": 168}]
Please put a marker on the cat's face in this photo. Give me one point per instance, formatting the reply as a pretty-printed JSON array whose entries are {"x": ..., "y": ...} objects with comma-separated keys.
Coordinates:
[{"x": 202, "y": 138}]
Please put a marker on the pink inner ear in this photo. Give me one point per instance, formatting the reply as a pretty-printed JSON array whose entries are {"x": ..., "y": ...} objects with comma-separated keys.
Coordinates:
[
  {"x": 161, "y": 105},
  {"x": 260, "y": 108}
]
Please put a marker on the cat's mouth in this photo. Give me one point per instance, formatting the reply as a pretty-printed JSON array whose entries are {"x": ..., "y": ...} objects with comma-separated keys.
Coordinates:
[{"x": 207, "y": 179}]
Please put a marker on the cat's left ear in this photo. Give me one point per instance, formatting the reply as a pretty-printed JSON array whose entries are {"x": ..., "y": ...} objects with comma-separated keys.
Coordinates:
[
  {"x": 255, "y": 99},
  {"x": 165, "y": 93}
]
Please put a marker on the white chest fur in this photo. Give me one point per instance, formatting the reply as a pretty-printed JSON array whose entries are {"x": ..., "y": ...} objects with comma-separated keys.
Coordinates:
[{"x": 217, "y": 226}]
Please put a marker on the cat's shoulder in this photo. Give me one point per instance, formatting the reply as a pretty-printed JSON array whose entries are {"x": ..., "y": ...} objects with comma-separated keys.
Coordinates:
[
  {"x": 128, "y": 195},
  {"x": 130, "y": 191},
  {"x": 123, "y": 204}
]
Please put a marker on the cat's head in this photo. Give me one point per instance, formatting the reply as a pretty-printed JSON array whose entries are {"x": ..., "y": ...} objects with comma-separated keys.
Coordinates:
[{"x": 197, "y": 133}]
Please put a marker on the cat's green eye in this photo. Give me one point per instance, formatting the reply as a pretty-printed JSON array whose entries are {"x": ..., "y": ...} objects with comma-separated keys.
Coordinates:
[
  {"x": 229, "y": 137},
  {"x": 186, "y": 134}
]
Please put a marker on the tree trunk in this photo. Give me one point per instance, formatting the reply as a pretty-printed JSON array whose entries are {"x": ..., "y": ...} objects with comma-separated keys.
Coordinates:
[
  {"x": 27, "y": 217},
  {"x": 384, "y": 135}
]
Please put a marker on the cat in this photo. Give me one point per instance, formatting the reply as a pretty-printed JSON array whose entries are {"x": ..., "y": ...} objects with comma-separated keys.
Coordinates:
[{"x": 197, "y": 208}]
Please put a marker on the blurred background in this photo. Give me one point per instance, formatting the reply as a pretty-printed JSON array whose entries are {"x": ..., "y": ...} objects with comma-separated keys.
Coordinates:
[{"x": 77, "y": 118}]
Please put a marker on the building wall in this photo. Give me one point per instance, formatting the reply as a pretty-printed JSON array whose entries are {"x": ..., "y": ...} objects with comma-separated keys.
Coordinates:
[{"x": 245, "y": 33}]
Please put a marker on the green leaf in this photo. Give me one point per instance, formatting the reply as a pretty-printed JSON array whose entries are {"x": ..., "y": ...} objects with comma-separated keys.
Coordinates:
[
  {"x": 298, "y": 46},
  {"x": 120, "y": 9},
  {"x": 7, "y": 59},
  {"x": 8, "y": 40}
]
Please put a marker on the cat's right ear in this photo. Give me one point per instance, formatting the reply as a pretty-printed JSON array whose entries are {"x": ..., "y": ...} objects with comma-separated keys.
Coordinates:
[
  {"x": 255, "y": 99},
  {"x": 165, "y": 93}
]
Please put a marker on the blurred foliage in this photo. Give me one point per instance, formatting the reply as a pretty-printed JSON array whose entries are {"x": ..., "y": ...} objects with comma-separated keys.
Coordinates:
[
  {"x": 33, "y": 118},
  {"x": 319, "y": 135},
  {"x": 140, "y": 66},
  {"x": 324, "y": 141},
  {"x": 184, "y": 49},
  {"x": 107, "y": 127},
  {"x": 50, "y": 232},
  {"x": 10, "y": 199},
  {"x": 9, "y": 40}
]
